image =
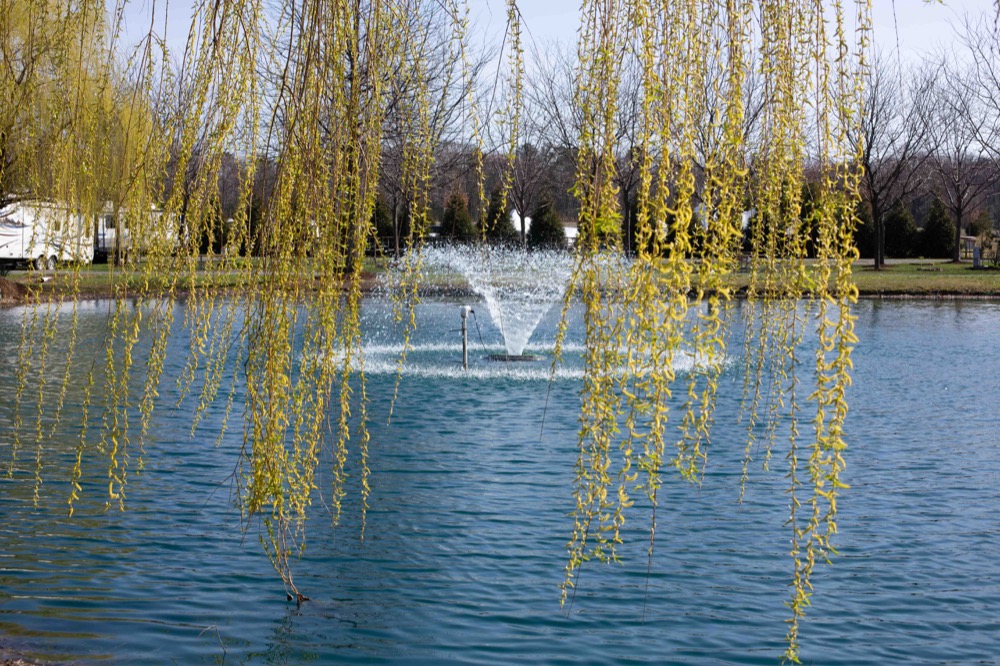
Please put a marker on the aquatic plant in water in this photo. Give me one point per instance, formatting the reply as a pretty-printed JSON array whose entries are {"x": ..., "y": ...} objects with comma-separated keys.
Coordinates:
[{"x": 311, "y": 97}]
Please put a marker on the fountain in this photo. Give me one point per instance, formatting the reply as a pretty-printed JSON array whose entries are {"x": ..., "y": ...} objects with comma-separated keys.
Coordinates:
[{"x": 518, "y": 286}]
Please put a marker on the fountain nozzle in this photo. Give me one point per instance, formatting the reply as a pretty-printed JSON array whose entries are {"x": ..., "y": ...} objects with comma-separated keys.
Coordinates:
[{"x": 465, "y": 310}]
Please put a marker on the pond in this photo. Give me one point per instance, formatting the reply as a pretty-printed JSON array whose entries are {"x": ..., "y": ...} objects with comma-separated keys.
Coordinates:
[{"x": 464, "y": 545}]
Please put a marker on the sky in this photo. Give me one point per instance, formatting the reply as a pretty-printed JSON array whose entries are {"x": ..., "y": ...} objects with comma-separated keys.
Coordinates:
[{"x": 923, "y": 28}]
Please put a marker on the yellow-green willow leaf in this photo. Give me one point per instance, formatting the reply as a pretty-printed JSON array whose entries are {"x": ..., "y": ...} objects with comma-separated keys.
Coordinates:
[{"x": 299, "y": 97}]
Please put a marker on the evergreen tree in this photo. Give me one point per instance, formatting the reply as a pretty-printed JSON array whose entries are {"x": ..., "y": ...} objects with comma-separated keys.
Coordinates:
[
  {"x": 982, "y": 225},
  {"x": 901, "y": 235},
  {"x": 498, "y": 227},
  {"x": 255, "y": 230},
  {"x": 382, "y": 222},
  {"x": 546, "y": 230},
  {"x": 457, "y": 223},
  {"x": 212, "y": 234},
  {"x": 937, "y": 240},
  {"x": 809, "y": 216}
]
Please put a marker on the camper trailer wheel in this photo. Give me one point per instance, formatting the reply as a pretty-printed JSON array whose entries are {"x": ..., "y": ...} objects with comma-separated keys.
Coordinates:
[
  {"x": 40, "y": 262},
  {"x": 51, "y": 263}
]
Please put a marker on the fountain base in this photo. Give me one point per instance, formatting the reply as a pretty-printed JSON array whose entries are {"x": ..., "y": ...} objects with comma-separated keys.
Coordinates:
[{"x": 513, "y": 358}]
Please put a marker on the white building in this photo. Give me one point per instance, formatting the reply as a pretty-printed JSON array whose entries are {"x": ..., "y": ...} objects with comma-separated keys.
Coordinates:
[{"x": 571, "y": 232}]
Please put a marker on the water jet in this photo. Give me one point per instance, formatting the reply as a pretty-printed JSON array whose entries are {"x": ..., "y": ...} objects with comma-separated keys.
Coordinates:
[{"x": 518, "y": 286}]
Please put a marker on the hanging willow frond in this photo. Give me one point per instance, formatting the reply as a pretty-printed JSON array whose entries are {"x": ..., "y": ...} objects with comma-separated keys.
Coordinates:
[{"x": 294, "y": 102}]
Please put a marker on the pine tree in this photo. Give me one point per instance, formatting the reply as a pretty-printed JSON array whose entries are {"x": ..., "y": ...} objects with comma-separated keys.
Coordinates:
[
  {"x": 382, "y": 222},
  {"x": 457, "y": 223},
  {"x": 901, "y": 234},
  {"x": 982, "y": 225},
  {"x": 937, "y": 240},
  {"x": 498, "y": 227},
  {"x": 546, "y": 230}
]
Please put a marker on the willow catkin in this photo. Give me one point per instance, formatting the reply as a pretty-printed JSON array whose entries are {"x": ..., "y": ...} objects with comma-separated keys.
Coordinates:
[
  {"x": 298, "y": 96},
  {"x": 694, "y": 184}
]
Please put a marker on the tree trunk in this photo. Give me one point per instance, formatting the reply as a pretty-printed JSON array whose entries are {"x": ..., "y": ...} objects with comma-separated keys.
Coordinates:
[
  {"x": 395, "y": 229},
  {"x": 956, "y": 256},
  {"x": 879, "y": 223},
  {"x": 629, "y": 223}
]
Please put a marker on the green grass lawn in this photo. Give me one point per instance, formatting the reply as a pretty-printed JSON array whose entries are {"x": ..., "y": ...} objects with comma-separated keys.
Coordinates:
[
  {"x": 926, "y": 278},
  {"x": 919, "y": 278},
  {"x": 99, "y": 280}
]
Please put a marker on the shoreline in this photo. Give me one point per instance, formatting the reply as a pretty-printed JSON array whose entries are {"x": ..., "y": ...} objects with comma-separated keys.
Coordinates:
[
  {"x": 457, "y": 292},
  {"x": 901, "y": 280}
]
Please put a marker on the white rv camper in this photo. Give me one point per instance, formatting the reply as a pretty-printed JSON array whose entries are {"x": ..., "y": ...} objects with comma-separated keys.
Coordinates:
[
  {"x": 108, "y": 242},
  {"x": 113, "y": 233},
  {"x": 43, "y": 233}
]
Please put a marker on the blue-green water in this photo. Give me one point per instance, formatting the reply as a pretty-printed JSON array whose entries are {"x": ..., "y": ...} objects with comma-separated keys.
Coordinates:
[{"x": 464, "y": 545}]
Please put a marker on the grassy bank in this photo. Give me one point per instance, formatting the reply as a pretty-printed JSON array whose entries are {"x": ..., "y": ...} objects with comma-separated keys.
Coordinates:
[
  {"x": 926, "y": 278},
  {"x": 917, "y": 279},
  {"x": 105, "y": 280}
]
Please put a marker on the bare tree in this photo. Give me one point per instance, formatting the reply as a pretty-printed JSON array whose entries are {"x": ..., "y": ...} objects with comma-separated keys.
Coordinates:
[
  {"x": 981, "y": 37},
  {"x": 529, "y": 181},
  {"x": 964, "y": 175},
  {"x": 442, "y": 81},
  {"x": 550, "y": 94},
  {"x": 521, "y": 164},
  {"x": 895, "y": 138}
]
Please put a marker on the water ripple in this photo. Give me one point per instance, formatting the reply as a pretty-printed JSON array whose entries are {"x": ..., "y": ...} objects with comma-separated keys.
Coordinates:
[{"x": 464, "y": 543}]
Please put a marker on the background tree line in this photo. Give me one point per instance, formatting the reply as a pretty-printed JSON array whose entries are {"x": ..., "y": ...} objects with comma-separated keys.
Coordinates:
[
  {"x": 930, "y": 138},
  {"x": 930, "y": 135}
]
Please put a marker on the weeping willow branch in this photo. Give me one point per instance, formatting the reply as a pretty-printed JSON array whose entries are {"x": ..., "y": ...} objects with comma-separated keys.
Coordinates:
[{"x": 258, "y": 153}]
